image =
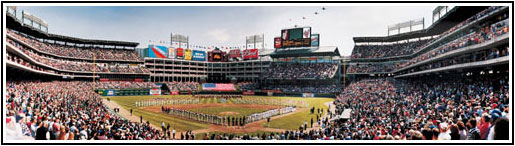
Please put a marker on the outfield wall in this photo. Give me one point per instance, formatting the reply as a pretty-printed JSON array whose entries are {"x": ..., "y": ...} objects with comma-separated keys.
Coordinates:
[{"x": 135, "y": 92}]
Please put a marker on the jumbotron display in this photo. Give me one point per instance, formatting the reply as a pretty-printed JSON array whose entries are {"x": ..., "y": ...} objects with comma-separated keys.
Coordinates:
[{"x": 296, "y": 37}]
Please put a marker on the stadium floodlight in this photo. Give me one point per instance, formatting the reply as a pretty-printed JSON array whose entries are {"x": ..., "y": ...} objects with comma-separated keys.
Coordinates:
[
  {"x": 178, "y": 38},
  {"x": 408, "y": 24},
  {"x": 440, "y": 11},
  {"x": 12, "y": 10},
  {"x": 34, "y": 20},
  {"x": 254, "y": 40}
]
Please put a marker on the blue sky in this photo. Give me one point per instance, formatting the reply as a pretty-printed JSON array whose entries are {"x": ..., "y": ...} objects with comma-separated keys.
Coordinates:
[{"x": 224, "y": 25}]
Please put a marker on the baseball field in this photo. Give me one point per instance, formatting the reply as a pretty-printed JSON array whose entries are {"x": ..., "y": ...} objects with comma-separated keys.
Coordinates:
[{"x": 219, "y": 107}]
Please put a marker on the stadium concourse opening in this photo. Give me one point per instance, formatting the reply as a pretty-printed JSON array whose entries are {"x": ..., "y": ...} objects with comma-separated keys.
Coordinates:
[{"x": 447, "y": 81}]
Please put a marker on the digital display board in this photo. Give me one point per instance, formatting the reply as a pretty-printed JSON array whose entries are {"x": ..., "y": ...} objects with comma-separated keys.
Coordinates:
[
  {"x": 156, "y": 51},
  {"x": 217, "y": 56},
  {"x": 235, "y": 53},
  {"x": 295, "y": 37},
  {"x": 250, "y": 54},
  {"x": 199, "y": 55},
  {"x": 187, "y": 54},
  {"x": 180, "y": 52},
  {"x": 277, "y": 42},
  {"x": 315, "y": 40},
  {"x": 171, "y": 52}
]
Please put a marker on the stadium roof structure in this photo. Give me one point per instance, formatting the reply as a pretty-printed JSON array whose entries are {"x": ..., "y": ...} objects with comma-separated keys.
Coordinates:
[
  {"x": 265, "y": 52},
  {"x": 307, "y": 51},
  {"x": 16, "y": 24},
  {"x": 456, "y": 15}
]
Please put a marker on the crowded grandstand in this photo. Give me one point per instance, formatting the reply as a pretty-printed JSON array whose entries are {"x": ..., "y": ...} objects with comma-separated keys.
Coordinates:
[{"x": 449, "y": 81}]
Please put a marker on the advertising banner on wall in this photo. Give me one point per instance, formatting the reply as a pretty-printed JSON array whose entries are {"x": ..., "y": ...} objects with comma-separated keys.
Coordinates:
[
  {"x": 217, "y": 56},
  {"x": 156, "y": 51},
  {"x": 110, "y": 92},
  {"x": 315, "y": 39},
  {"x": 155, "y": 92},
  {"x": 308, "y": 95},
  {"x": 235, "y": 53},
  {"x": 306, "y": 33},
  {"x": 174, "y": 92},
  {"x": 171, "y": 52},
  {"x": 250, "y": 54},
  {"x": 199, "y": 55},
  {"x": 248, "y": 93},
  {"x": 187, "y": 54},
  {"x": 180, "y": 52},
  {"x": 277, "y": 42}
]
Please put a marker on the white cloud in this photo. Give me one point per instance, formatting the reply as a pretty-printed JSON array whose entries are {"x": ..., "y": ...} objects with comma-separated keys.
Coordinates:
[{"x": 220, "y": 35}]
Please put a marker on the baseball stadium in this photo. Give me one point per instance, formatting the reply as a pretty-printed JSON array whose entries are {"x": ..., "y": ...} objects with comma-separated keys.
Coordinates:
[{"x": 446, "y": 81}]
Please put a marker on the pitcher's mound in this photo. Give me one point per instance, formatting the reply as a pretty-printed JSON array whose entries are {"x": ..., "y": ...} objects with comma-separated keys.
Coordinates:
[{"x": 229, "y": 113}]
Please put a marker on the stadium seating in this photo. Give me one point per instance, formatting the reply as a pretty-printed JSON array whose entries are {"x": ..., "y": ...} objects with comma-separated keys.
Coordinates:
[
  {"x": 80, "y": 53},
  {"x": 69, "y": 111},
  {"x": 301, "y": 70},
  {"x": 370, "y": 68},
  {"x": 400, "y": 109},
  {"x": 183, "y": 86},
  {"x": 378, "y": 51},
  {"x": 484, "y": 34},
  {"x": 83, "y": 66},
  {"x": 124, "y": 85}
]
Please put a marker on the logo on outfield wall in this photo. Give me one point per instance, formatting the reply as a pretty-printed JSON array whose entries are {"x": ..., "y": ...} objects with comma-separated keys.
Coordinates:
[{"x": 110, "y": 92}]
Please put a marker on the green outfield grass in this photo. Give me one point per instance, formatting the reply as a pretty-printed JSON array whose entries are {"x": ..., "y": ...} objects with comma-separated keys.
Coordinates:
[
  {"x": 287, "y": 122},
  {"x": 127, "y": 102}
]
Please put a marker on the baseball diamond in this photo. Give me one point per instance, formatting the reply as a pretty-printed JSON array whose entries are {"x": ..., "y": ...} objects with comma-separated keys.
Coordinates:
[{"x": 289, "y": 73}]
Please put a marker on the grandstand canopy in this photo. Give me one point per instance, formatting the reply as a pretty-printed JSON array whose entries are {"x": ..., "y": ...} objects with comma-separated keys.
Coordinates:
[
  {"x": 308, "y": 51},
  {"x": 16, "y": 24},
  {"x": 451, "y": 18}
]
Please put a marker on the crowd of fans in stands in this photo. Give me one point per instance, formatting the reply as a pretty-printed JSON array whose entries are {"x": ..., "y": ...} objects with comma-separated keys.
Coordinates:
[
  {"x": 480, "y": 56},
  {"x": 370, "y": 68},
  {"x": 301, "y": 70},
  {"x": 248, "y": 86},
  {"x": 70, "y": 65},
  {"x": 324, "y": 88},
  {"x": 68, "y": 111},
  {"x": 183, "y": 86},
  {"x": 484, "y": 34},
  {"x": 378, "y": 51},
  {"x": 433, "y": 108},
  {"x": 174, "y": 86},
  {"x": 20, "y": 61},
  {"x": 124, "y": 85},
  {"x": 75, "y": 52}
]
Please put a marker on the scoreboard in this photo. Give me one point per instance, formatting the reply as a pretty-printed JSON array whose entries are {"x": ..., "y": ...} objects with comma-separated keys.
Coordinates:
[{"x": 295, "y": 37}]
